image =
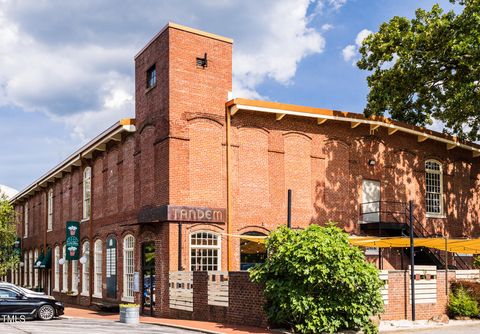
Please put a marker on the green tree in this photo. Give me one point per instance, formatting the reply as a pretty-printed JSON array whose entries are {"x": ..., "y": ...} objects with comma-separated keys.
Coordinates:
[
  {"x": 8, "y": 235},
  {"x": 315, "y": 281},
  {"x": 427, "y": 68}
]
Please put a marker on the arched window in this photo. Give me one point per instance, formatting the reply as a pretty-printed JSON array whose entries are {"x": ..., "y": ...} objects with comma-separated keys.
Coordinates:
[
  {"x": 87, "y": 191},
  {"x": 128, "y": 267},
  {"x": 86, "y": 269},
  {"x": 35, "y": 271},
  {"x": 25, "y": 221},
  {"x": 30, "y": 269},
  {"x": 56, "y": 280},
  {"x": 204, "y": 251},
  {"x": 74, "y": 275},
  {"x": 434, "y": 188},
  {"x": 97, "y": 263},
  {"x": 50, "y": 210},
  {"x": 252, "y": 250},
  {"x": 65, "y": 270},
  {"x": 25, "y": 269}
]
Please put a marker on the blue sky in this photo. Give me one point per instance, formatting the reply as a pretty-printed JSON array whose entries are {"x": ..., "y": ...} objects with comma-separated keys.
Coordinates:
[{"x": 66, "y": 67}]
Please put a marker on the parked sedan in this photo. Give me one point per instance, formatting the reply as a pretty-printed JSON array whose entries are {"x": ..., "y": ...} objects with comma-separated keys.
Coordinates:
[{"x": 17, "y": 301}]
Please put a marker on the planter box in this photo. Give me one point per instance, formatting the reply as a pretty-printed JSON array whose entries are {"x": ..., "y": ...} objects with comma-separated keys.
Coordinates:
[{"x": 130, "y": 315}]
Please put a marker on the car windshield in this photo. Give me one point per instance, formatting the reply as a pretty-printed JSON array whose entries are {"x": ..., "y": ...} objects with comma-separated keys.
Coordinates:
[{"x": 30, "y": 292}]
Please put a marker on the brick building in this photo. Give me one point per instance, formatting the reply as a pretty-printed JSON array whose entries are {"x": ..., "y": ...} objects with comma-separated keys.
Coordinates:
[{"x": 175, "y": 188}]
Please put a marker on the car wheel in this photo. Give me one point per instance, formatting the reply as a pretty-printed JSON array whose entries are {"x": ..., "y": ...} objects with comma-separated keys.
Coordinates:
[{"x": 46, "y": 312}]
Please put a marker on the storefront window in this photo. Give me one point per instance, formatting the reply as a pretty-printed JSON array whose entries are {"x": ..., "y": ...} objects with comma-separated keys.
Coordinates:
[
  {"x": 204, "y": 251},
  {"x": 252, "y": 250}
]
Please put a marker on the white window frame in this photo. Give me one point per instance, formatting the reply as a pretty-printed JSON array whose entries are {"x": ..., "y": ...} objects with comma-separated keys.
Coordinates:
[
  {"x": 65, "y": 270},
  {"x": 86, "y": 269},
  {"x": 50, "y": 210},
  {"x": 30, "y": 269},
  {"x": 87, "y": 192},
  {"x": 25, "y": 268},
  {"x": 217, "y": 247},
  {"x": 128, "y": 268},
  {"x": 75, "y": 276},
  {"x": 35, "y": 271},
  {"x": 25, "y": 221},
  {"x": 56, "y": 281},
  {"x": 431, "y": 176},
  {"x": 97, "y": 268}
]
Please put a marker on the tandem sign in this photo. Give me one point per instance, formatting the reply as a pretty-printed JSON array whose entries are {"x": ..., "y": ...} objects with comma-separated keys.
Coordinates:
[{"x": 174, "y": 213}]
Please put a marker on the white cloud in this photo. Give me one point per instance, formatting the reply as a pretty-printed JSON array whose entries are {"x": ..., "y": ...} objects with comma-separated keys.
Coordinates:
[
  {"x": 350, "y": 52},
  {"x": 73, "y": 60}
]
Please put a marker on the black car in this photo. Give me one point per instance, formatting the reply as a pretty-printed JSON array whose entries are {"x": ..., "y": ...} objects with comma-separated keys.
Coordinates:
[{"x": 18, "y": 301}]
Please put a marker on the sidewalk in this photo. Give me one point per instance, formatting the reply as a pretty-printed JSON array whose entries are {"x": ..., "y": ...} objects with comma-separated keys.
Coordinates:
[{"x": 202, "y": 326}]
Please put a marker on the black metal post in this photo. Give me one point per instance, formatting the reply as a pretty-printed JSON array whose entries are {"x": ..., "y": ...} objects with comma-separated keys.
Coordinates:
[
  {"x": 289, "y": 209},
  {"x": 412, "y": 260},
  {"x": 180, "y": 247}
]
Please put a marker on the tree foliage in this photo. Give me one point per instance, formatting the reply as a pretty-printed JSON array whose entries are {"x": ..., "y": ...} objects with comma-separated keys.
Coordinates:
[
  {"x": 427, "y": 68},
  {"x": 315, "y": 281},
  {"x": 8, "y": 235}
]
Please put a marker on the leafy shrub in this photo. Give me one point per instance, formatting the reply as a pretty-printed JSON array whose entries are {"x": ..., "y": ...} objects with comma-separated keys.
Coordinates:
[
  {"x": 472, "y": 287},
  {"x": 462, "y": 304},
  {"x": 315, "y": 281}
]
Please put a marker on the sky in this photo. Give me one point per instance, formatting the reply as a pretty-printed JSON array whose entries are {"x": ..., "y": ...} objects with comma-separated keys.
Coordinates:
[{"x": 66, "y": 67}]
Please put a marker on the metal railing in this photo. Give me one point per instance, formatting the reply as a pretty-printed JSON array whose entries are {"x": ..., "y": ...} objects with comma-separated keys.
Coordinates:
[{"x": 396, "y": 212}]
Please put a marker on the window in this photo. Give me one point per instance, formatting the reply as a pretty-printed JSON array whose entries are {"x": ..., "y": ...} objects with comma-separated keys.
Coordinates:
[
  {"x": 7, "y": 294},
  {"x": 50, "y": 210},
  {"x": 65, "y": 270},
  {"x": 75, "y": 275},
  {"x": 128, "y": 267},
  {"x": 87, "y": 192},
  {"x": 252, "y": 250},
  {"x": 204, "y": 251},
  {"x": 25, "y": 221},
  {"x": 30, "y": 269},
  {"x": 56, "y": 280},
  {"x": 151, "y": 76},
  {"x": 35, "y": 271},
  {"x": 434, "y": 188},
  {"x": 25, "y": 269},
  {"x": 86, "y": 269},
  {"x": 97, "y": 262}
]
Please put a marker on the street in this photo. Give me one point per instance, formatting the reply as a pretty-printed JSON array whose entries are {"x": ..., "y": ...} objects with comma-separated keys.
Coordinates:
[
  {"x": 464, "y": 329},
  {"x": 83, "y": 326}
]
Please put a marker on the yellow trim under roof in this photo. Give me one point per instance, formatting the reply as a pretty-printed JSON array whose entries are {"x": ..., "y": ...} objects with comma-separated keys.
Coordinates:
[{"x": 323, "y": 115}]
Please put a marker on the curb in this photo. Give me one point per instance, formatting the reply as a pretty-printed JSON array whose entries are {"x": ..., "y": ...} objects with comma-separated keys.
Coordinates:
[
  {"x": 207, "y": 331},
  {"x": 426, "y": 327}
]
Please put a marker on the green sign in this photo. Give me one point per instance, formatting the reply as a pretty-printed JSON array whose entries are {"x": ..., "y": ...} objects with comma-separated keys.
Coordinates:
[
  {"x": 17, "y": 247},
  {"x": 72, "y": 241}
]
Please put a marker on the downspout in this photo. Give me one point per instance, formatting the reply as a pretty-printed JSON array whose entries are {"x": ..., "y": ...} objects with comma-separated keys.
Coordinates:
[{"x": 229, "y": 190}]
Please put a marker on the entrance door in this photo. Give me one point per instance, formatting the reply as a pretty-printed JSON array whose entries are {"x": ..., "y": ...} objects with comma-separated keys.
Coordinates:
[
  {"x": 111, "y": 267},
  {"x": 148, "y": 276},
  {"x": 371, "y": 201}
]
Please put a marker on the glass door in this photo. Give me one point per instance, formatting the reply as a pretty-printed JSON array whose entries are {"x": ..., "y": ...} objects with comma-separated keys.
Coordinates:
[{"x": 148, "y": 275}]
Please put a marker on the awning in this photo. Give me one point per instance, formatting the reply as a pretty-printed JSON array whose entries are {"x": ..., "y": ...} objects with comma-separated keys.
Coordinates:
[
  {"x": 47, "y": 260},
  {"x": 38, "y": 262},
  {"x": 463, "y": 246}
]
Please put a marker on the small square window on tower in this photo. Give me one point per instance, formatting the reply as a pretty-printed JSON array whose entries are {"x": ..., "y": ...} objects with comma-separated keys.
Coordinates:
[{"x": 151, "y": 76}]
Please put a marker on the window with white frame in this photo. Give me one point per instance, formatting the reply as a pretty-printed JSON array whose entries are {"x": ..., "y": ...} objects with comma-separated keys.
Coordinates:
[
  {"x": 204, "y": 251},
  {"x": 56, "y": 279},
  {"x": 25, "y": 269},
  {"x": 86, "y": 269},
  {"x": 87, "y": 191},
  {"x": 128, "y": 267},
  {"x": 433, "y": 187},
  {"x": 50, "y": 210},
  {"x": 30, "y": 269},
  {"x": 35, "y": 271},
  {"x": 97, "y": 263},
  {"x": 65, "y": 270},
  {"x": 25, "y": 221},
  {"x": 75, "y": 275}
]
